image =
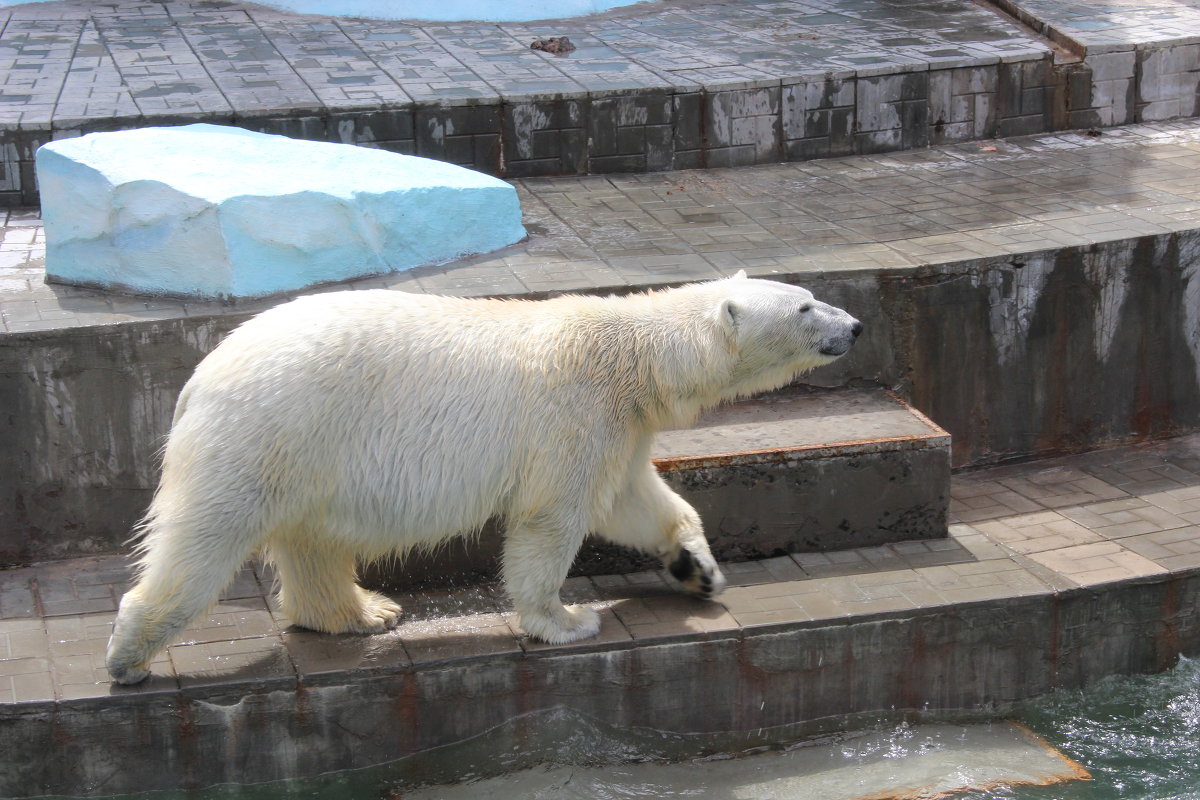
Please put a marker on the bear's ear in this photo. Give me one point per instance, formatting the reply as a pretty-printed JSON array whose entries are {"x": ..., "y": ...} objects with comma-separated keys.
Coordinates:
[
  {"x": 727, "y": 314},
  {"x": 741, "y": 273}
]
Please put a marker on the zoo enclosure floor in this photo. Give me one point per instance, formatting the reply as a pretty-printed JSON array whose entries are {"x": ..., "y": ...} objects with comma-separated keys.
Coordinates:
[{"x": 1096, "y": 521}]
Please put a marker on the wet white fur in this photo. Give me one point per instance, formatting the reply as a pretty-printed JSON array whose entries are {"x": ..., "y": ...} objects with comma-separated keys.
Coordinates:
[{"x": 361, "y": 424}]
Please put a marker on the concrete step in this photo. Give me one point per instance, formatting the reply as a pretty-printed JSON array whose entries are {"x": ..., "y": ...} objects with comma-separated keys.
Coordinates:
[
  {"x": 1033, "y": 296},
  {"x": 806, "y": 471},
  {"x": 673, "y": 84},
  {"x": 1070, "y": 571}
]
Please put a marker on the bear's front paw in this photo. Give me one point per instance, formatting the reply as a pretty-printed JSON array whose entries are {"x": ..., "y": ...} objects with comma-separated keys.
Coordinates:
[
  {"x": 571, "y": 624},
  {"x": 378, "y": 613},
  {"x": 698, "y": 575},
  {"x": 369, "y": 612}
]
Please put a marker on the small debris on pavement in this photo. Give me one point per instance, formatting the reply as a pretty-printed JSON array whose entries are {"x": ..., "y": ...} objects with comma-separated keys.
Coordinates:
[{"x": 555, "y": 45}]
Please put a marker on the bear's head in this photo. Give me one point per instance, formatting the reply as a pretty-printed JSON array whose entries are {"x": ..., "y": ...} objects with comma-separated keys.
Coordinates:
[{"x": 779, "y": 331}]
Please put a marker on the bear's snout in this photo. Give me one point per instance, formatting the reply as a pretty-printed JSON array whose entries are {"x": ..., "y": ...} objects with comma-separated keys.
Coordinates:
[{"x": 836, "y": 346}]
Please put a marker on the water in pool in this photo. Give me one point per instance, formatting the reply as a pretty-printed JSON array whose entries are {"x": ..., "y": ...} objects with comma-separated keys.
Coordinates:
[{"x": 1139, "y": 738}]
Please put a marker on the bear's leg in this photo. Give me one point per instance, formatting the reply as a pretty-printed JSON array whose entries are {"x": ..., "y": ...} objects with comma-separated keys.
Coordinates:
[
  {"x": 183, "y": 574},
  {"x": 537, "y": 556},
  {"x": 317, "y": 588},
  {"x": 648, "y": 516}
]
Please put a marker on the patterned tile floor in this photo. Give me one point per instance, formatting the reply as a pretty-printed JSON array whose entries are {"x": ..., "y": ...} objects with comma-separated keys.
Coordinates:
[
  {"x": 1117, "y": 24},
  {"x": 1126, "y": 513},
  {"x": 862, "y": 213},
  {"x": 64, "y": 62}
]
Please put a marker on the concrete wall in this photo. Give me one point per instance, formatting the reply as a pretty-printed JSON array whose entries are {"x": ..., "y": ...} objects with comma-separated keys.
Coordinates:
[
  {"x": 662, "y": 128},
  {"x": 1038, "y": 353},
  {"x": 977, "y": 657},
  {"x": 1044, "y": 353}
]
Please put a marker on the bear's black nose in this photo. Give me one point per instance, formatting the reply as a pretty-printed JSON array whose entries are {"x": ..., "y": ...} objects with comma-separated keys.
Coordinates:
[{"x": 856, "y": 329}]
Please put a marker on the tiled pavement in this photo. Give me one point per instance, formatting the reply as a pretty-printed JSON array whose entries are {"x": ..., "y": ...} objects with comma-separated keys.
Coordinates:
[
  {"x": 1125, "y": 514},
  {"x": 1114, "y": 25},
  {"x": 666, "y": 85},
  {"x": 831, "y": 217},
  {"x": 65, "y": 62}
]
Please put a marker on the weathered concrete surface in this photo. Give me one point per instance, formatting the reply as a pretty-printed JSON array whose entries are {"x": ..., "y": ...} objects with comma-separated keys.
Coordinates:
[
  {"x": 674, "y": 84},
  {"x": 975, "y": 657},
  {"x": 1056, "y": 573},
  {"x": 1033, "y": 353},
  {"x": 85, "y": 415},
  {"x": 1055, "y": 351}
]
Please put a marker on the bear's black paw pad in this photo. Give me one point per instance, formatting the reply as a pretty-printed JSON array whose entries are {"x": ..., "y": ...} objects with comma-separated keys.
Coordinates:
[{"x": 684, "y": 566}]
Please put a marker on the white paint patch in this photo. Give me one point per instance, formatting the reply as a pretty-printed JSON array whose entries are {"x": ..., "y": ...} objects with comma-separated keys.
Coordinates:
[
  {"x": 1111, "y": 274},
  {"x": 528, "y": 118},
  {"x": 1189, "y": 260},
  {"x": 1012, "y": 300}
]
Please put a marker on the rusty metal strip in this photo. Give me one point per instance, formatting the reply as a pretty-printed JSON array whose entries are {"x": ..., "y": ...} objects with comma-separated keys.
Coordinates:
[
  {"x": 933, "y": 426},
  {"x": 776, "y": 455}
]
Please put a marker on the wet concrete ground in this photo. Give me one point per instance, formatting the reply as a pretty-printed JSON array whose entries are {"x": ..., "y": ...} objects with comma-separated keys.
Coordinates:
[
  {"x": 832, "y": 218},
  {"x": 1122, "y": 515}
]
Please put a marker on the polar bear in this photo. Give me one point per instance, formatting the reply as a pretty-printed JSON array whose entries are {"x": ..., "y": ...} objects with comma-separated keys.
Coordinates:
[{"x": 360, "y": 424}]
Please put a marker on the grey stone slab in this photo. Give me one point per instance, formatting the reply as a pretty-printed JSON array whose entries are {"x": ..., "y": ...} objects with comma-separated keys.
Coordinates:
[
  {"x": 337, "y": 70},
  {"x": 164, "y": 76},
  {"x": 93, "y": 91},
  {"x": 88, "y": 67},
  {"x": 799, "y": 424},
  {"x": 417, "y": 62},
  {"x": 244, "y": 64},
  {"x": 753, "y": 470}
]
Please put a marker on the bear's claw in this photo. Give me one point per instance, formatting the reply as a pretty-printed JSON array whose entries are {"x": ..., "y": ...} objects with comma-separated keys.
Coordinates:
[{"x": 379, "y": 613}]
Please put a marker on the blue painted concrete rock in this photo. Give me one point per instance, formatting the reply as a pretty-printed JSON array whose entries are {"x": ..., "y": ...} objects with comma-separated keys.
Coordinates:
[{"x": 218, "y": 212}]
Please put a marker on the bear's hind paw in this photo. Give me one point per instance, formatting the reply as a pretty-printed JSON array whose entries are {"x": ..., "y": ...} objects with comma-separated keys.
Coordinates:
[{"x": 698, "y": 576}]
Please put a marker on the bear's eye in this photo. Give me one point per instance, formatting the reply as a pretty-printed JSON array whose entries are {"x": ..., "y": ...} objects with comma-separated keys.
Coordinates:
[{"x": 804, "y": 309}]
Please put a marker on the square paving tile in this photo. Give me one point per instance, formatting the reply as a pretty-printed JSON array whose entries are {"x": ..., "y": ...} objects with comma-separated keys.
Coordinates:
[
  {"x": 1037, "y": 532},
  {"x": 783, "y": 602},
  {"x": 466, "y": 636},
  {"x": 833, "y": 563},
  {"x": 263, "y": 660},
  {"x": 25, "y": 680},
  {"x": 1131, "y": 516},
  {"x": 1094, "y": 564},
  {"x": 982, "y": 580},
  {"x": 240, "y": 618},
  {"x": 316, "y": 654},
  {"x": 1176, "y": 549},
  {"x": 673, "y": 615},
  {"x": 1062, "y": 486},
  {"x": 80, "y": 586}
]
